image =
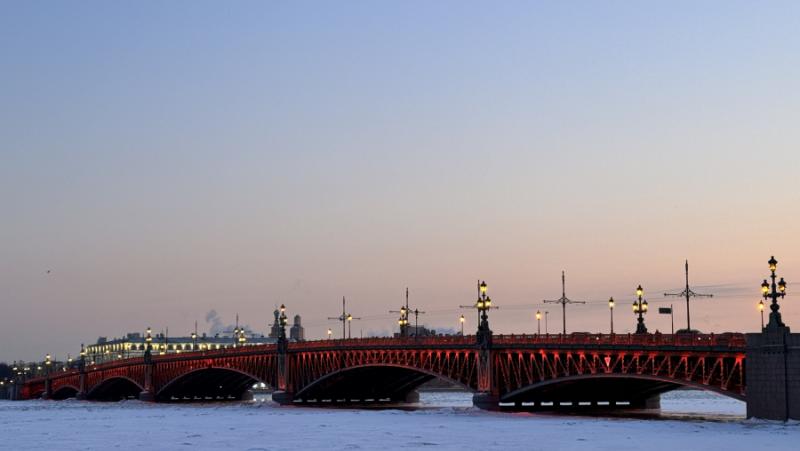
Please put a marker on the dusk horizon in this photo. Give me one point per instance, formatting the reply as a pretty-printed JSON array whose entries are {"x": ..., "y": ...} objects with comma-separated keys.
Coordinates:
[
  {"x": 357, "y": 225},
  {"x": 162, "y": 162}
]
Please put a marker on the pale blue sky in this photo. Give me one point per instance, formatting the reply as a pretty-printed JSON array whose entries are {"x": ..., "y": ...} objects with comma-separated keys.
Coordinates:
[{"x": 166, "y": 159}]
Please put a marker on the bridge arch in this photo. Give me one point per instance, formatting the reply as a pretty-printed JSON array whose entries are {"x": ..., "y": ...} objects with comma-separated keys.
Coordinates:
[
  {"x": 634, "y": 389},
  {"x": 209, "y": 383},
  {"x": 115, "y": 388},
  {"x": 370, "y": 383},
  {"x": 65, "y": 392}
]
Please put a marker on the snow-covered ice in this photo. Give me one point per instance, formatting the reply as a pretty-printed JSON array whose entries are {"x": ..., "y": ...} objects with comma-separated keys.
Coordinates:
[{"x": 445, "y": 421}]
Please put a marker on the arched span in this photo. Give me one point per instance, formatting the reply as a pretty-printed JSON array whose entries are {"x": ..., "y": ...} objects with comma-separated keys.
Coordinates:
[
  {"x": 65, "y": 392},
  {"x": 36, "y": 394},
  {"x": 115, "y": 389},
  {"x": 204, "y": 384},
  {"x": 373, "y": 382},
  {"x": 605, "y": 387}
]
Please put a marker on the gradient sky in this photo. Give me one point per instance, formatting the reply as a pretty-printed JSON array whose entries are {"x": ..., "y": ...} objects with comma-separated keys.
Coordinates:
[{"x": 163, "y": 159}]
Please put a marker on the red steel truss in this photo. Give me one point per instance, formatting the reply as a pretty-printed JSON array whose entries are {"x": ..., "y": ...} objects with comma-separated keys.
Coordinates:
[{"x": 713, "y": 362}]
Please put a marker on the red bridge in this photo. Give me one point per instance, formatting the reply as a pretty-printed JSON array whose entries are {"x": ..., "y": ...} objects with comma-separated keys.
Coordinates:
[{"x": 536, "y": 372}]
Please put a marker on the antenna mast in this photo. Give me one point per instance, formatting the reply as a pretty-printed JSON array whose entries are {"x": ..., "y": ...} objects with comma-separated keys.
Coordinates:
[
  {"x": 564, "y": 300},
  {"x": 688, "y": 293}
]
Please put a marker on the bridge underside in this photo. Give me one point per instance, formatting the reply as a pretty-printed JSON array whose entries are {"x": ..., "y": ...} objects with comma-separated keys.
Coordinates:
[
  {"x": 65, "y": 392},
  {"x": 582, "y": 393},
  {"x": 365, "y": 385},
  {"x": 208, "y": 385},
  {"x": 115, "y": 389}
]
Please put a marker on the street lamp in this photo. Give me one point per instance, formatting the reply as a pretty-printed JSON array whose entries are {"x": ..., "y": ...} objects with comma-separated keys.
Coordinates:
[
  {"x": 47, "y": 363},
  {"x": 402, "y": 321},
  {"x": 349, "y": 325},
  {"x": 483, "y": 304},
  {"x": 611, "y": 308},
  {"x": 330, "y": 332},
  {"x": 538, "y": 322},
  {"x": 546, "y": 330},
  {"x": 774, "y": 291},
  {"x": 461, "y": 320},
  {"x": 640, "y": 308},
  {"x": 761, "y": 309},
  {"x": 148, "y": 339}
]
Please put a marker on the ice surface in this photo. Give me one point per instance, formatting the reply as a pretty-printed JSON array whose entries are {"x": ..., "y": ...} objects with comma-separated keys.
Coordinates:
[{"x": 445, "y": 421}]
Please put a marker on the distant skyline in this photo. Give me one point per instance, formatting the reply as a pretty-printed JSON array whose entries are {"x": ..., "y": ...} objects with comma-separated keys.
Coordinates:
[{"x": 163, "y": 160}]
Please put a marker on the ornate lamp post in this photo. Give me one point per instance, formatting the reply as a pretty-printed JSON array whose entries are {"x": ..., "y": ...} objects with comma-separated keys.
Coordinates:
[
  {"x": 148, "y": 339},
  {"x": 538, "y": 322},
  {"x": 330, "y": 332},
  {"x": 402, "y": 321},
  {"x": 242, "y": 337},
  {"x": 461, "y": 320},
  {"x": 482, "y": 305},
  {"x": 611, "y": 309},
  {"x": 774, "y": 291},
  {"x": 761, "y": 309},
  {"x": 640, "y": 308},
  {"x": 546, "y": 330},
  {"x": 47, "y": 363},
  {"x": 349, "y": 325},
  {"x": 194, "y": 337}
]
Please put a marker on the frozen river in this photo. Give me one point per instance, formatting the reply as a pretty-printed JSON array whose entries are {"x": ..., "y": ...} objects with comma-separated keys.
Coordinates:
[{"x": 444, "y": 421}]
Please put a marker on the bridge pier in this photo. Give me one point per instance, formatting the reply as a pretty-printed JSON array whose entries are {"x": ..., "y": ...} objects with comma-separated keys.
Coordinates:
[
  {"x": 411, "y": 397},
  {"x": 283, "y": 398},
  {"x": 147, "y": 394},
  {"x": 81, "y": 395},
  {"x": 247, "y": 395},
  {"x": 48, "y": 389},
  {"x": 486, "y": 401},
  {"x": 651, "y": 402},
  {"x": 773, "y": 374}
]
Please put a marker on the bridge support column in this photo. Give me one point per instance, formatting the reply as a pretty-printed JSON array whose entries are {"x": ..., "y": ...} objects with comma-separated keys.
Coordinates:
[
  {"x": 773, "y": 374},
  {"x": 486, "y": 401},
  {"x": 81, "y": 395},
  {"x": 147, "y": 394},
  {"x": 48, "y": 389},
  {"x": 487, "y": 397},
  {"x": 411, "y": 397},
  {"x": 283, "y": 395},
  {"x": 652, "y": 402},
  {"x": 283, "y": 398}
]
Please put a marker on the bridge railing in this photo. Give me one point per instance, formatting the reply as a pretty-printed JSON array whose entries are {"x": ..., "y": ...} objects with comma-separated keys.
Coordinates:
[
  {"x": 722, "y": 340},
  {"x": 728, "y": 339},
  {"x": 442, "y": 340}
]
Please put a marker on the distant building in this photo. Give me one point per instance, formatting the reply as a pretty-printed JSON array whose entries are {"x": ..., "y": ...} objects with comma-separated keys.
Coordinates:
[
  {"x": 297, "y": 333},
  {"x": 134, "y": 345},
  {"x": 419, "y": 331}
]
